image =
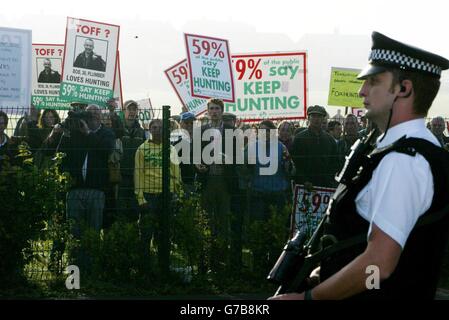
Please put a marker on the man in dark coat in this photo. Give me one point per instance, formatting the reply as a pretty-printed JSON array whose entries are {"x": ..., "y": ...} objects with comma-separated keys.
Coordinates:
[
  {"x": 48, "y": 75},
  {"x": 88, "y": 59}
]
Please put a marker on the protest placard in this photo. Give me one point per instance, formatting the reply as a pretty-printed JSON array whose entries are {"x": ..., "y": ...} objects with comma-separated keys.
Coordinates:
[
  {"x": 146, "y": 113},
  {"x": 309, "y": 207},
  {"x": 269, "y": 86},
  {"x": 358, "y": 112},
  {"x": 344, "y": 88},
  {"x": 179, "y": 78},
  {"x": 46, "y": 77},
  {"x": 210, "y": 67},
  {"x": 15, "y": 70},
  {"x": 90, "y": 58}
]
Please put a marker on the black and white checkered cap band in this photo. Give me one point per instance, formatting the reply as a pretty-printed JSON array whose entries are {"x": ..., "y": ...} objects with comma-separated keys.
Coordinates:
[{"x": 390, "y": 56}]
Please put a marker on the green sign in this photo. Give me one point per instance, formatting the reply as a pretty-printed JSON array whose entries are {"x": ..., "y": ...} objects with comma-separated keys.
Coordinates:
[
  {"x": 47, "y": 102},
  {"x": 87, "y": 94},
  {"x": 344, "y": 88},
  {"x": 269, "y": 86}
]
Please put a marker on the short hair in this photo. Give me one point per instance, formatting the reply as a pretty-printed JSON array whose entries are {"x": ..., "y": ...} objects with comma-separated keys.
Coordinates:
[
  {"x": 218, "y": 102},
  {"x": 173, "y": 124},
  {"x": 350, "y": 115},
  {"x": 285, "y": 122},
  {"x": 332, "y": 124},
  {"x": 267, "y": 123},
  {"x": 5, "y": 117},
  {"x": 439, "y": 118},
  {"x": 153, "y": 122},
  {"x": 425, "y": 88}
]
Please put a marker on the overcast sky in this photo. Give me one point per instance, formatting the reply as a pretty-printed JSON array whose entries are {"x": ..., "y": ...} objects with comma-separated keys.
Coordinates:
[{"x": 334, "y": 33}]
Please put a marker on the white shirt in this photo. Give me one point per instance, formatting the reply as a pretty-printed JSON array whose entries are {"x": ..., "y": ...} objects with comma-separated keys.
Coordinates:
[{"x": 401, "y": 188}]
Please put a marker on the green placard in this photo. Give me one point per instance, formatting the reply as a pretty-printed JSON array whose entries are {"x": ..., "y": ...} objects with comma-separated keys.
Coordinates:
[
  {"x": 46, "y": 102},
  {"x": 87, "y": 94},
  {"x": 344, "y": 88}
]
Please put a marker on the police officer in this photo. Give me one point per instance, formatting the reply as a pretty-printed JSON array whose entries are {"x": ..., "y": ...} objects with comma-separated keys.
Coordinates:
[
  {"x": 88, "y": 59},
  {"x": 397, "y": 201},
  {"x": 48, "y": 75}
]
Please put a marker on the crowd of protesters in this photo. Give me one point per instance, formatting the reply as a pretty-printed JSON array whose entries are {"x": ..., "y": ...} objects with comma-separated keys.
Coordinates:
[{"x": 116, "y": 166}]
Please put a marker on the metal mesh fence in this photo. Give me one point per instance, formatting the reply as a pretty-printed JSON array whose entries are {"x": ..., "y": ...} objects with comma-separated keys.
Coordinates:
[{"x": 149, "y": 212}]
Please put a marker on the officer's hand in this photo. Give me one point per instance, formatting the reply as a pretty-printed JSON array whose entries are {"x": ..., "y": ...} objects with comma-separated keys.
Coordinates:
[{"x": 314, "y": 279}]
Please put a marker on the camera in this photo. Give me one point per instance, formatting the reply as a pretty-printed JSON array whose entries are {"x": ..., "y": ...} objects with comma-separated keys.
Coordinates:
[{"x": 73, "y": 120}]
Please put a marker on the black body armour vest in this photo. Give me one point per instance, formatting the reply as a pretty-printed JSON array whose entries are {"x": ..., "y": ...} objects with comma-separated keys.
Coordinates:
[{"x": 417, "y": 273}]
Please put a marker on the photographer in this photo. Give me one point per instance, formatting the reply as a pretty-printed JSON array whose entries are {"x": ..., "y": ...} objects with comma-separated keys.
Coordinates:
[{"x": 87, "y": 145}]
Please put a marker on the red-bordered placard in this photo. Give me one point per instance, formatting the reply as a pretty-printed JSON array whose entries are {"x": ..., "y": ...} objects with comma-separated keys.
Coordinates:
[
  {"x": 317, "y": 209},
  {"x": 46, "y": 76},
  {"x": 97, "y": 72},
  {"x": 254, "y": 68},
  {"x": 179, "y": 78},
  {"x": 210, "y": 67}
]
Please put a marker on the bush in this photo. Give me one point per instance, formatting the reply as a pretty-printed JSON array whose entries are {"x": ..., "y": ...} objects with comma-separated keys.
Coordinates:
[
  {"x": 115, "y": 255},
  {"x": 266, "y": 240},
  {"x": 29, "y": 197},
  {"x": 191, "y": 231}
]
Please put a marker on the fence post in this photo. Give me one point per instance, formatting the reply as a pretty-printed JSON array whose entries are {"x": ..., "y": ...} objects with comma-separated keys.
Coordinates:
[{"x": 164, "y": 246}]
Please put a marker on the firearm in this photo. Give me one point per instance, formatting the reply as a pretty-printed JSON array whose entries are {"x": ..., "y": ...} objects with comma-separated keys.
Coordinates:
[
  {"x": 295, "y": 263},
  {"x": 301, "y": 256},
  {"x": 353, "y": 161}
]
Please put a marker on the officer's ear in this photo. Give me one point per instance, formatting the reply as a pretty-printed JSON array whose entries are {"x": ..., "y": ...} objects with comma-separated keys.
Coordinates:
[{"x": 405, "y": 88}]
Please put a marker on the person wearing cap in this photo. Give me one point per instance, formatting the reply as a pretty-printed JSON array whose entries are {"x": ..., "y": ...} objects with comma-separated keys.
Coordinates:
[
  {"x": 314, "y": 152},
  {"x": 78, "y": 106},
  {"x": 396, "y": 202},
  {"x": 186, "y": 122},
  {"x": 133, "y": 136}
]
